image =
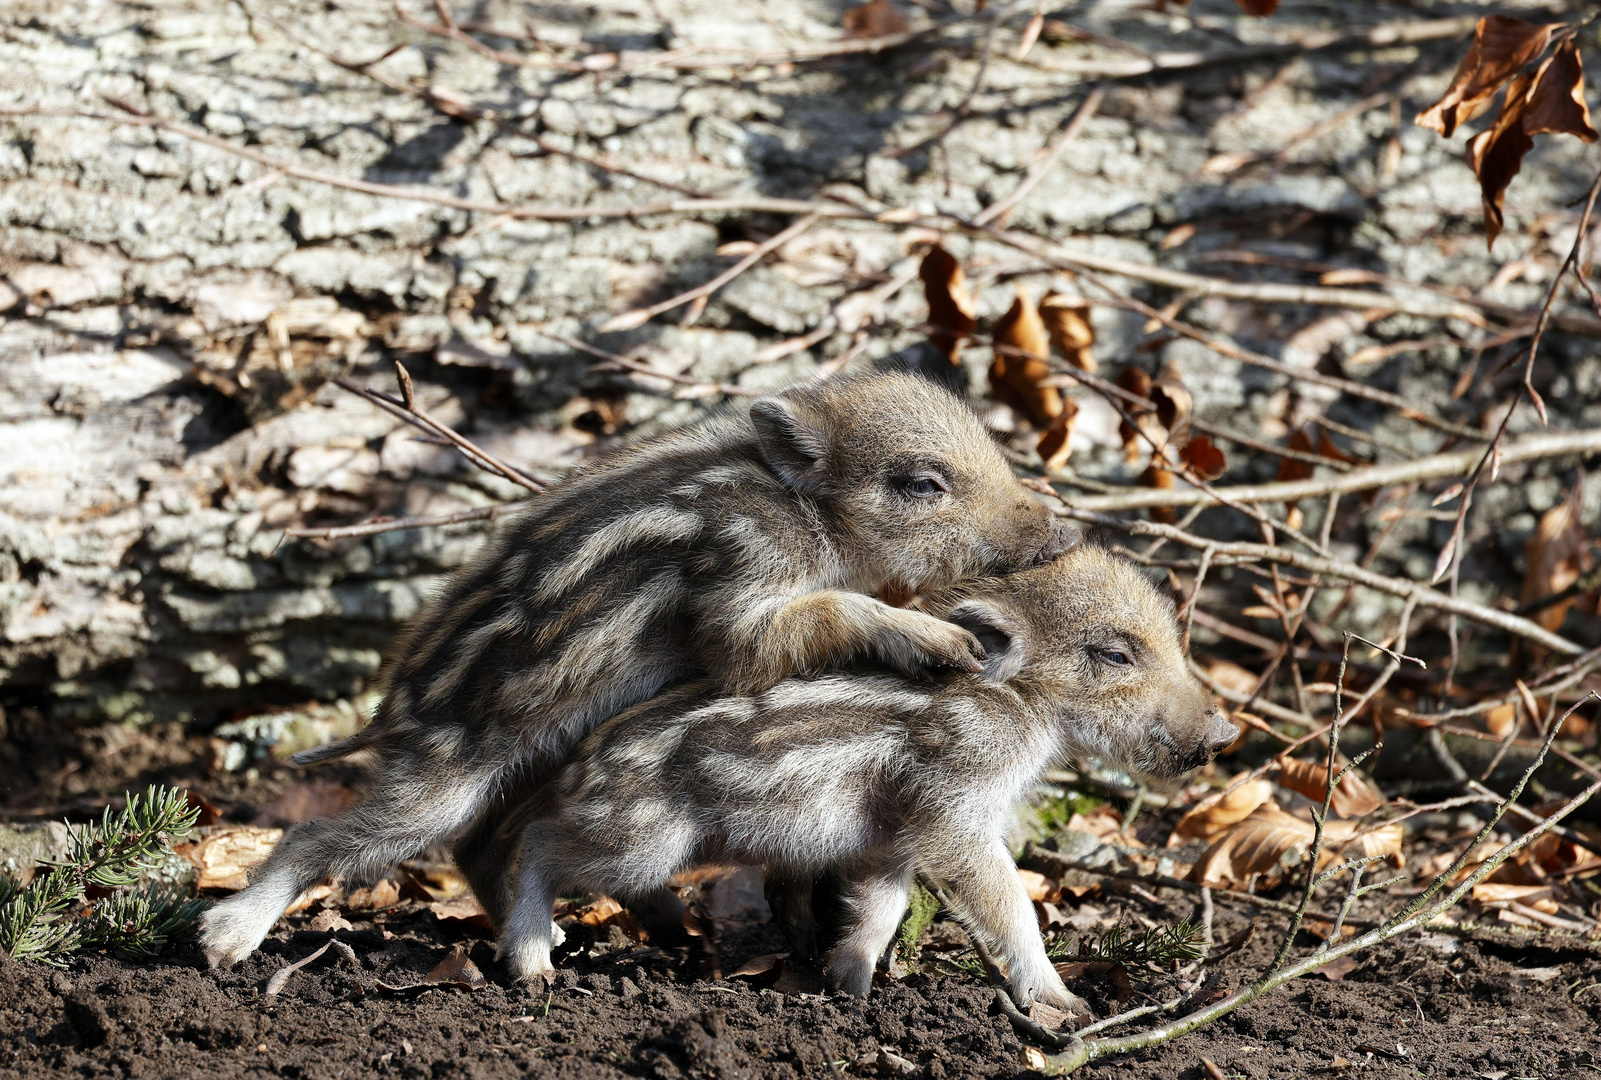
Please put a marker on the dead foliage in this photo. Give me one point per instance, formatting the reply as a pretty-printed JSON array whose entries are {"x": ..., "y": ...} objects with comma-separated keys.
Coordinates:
[{"x": 1549, "y": 99}]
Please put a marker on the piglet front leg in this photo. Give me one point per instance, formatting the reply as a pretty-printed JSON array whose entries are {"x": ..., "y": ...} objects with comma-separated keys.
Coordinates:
[{"x": 984, "y": 885}]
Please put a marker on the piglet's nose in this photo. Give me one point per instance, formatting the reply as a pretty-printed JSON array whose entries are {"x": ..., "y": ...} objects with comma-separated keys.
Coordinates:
[
  {"x": 1221, "y": 735},
  {"x": 1063, "y": 538}
]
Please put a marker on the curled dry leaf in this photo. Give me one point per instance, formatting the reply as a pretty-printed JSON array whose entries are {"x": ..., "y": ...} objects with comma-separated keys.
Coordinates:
[
  {"x": 1137, "y": 381},
  {"x": 1172, "y": 401},
  {"x": 876, "y": 18},
  {"x": 1558, "y": 554},
  {"x": 1501, "y": 47},
  {"x": 1021, "y": 364},
  {"x": 1231, "y": 676},
  {"x": 1271, "y": 841},
  {"x": 1056, "y": 441},
  {"x": 950, "y": 308},
  {"x": 1067, "y": 321},
  {"x": 1204, "y": 459},
  {"x": 1260, "y": 8},
  {"x": 1040, "y": 889},
  {"x": 1557, "y": 103},
  {"x": 1160, "y": 479},
  {"x": 456, "y": 970},
  {"x": 1213, "y": 817},
  {"x": 1353, "y": 796},
  {"x": 1302, "y": 442},
  {"x": 1551, "y": 101}
]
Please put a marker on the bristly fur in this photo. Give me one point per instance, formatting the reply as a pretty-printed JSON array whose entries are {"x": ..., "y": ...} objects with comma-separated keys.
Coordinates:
[
  {"x": 743, "y": 550},
  {"x": 876, "y": 776}
]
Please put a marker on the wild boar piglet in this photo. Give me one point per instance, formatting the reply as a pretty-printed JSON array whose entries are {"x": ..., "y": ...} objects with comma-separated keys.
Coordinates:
[
  {"x": 744, "y": 549},
  {"x": 878, "y": 777}
]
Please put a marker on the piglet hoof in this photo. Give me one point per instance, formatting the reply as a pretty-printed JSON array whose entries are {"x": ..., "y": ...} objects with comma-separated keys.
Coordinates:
[
  {"x": 231, "y": 931},
  {"x": 1071, "y": 1011},
  {"x": 850, "y": 975}
]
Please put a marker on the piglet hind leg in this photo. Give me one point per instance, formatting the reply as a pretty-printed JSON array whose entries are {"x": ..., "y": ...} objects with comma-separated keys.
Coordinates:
[
  {"x": 358, "y": 844},
  {"x": 985, "y": 887},
  {"x": 875, "y": 900}
]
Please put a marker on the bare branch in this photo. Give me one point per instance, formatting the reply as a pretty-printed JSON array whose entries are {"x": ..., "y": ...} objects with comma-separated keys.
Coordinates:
[
  {"x": 640, "y": 316},
  {"x": 1317, "y": 564},
  {"x": 1367, "y": 478}
]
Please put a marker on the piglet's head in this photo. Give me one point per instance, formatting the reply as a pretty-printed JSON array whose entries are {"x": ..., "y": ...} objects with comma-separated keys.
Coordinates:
[
  {"x": 1091, "y": 644},
  {"x": 912, "y": 487}
]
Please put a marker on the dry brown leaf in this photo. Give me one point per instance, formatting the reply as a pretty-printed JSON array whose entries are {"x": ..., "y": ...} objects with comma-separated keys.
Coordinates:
[
  {"x": 456, "y": 970},
  {"x": 1056, "y": 441},
  {"x": 1353, "y": 796},
  {"x": 1556, "y": 104},
  {"x": 1067, "y": 321},
  {"x": 1031, "y": 34},
  {"x": 1270, "y": 841},
  {"x": 766, "y": 964},
  {"x": 1551, "y": 101},
  {"x": 1137, "y": 381},
  {"x": 1204, "y": 459},
  {"x": 950, "y": 308},
  {"x": 1558, "y": 554},
  {"x": 1022, "y": 363},
  {"x": 876, "y": 18},
  {"x": 599, "y": 912},
  {"x": 379, "y": 896},
  {"x": 1491, "y": 892},
  {"x": 1496, "y": 154},
  {"x": 1215, "y": 816},
  {"x": 319, "y": 892},
  {"x": 226, "y": 856},
  {"x": 305, "y": 802},
  {"x": 1231, "y": 676},
  {"x": 1040, "y": 889},
  {"x": 465, "y": 909},
  {"x": 1501, "y": 47},
  {"x": 1499, "y": 721},
  {"x": 1301, "y": 442},
  {"x": 1178, "y": 236},
  {"x": 1103, "y": 822},
  {"x": 1172, "y": 401},
  {"x": 1261, "y": 8}
]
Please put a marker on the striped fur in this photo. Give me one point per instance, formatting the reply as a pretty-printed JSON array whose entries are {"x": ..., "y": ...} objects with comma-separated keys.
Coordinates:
[
  {"x": 743, "y": 550},
  {"x": 876, "y": 776}
]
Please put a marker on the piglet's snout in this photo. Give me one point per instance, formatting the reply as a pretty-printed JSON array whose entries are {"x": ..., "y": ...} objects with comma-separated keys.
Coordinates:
[
  {"x": 1204, "y": 740},
  {"x": 1221, "y": 734}
]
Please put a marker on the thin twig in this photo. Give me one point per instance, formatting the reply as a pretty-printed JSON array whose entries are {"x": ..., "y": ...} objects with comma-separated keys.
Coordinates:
[
  {"x": 1366, "y": 478},
  {"x": 1316, "y": 564},
  {"x": 998, "y": 211},
  {"x": 628, "y": 320},
  {"x": 635, "y": 366},
  {"x": 407, "y": 410},
  {"x": 372, "y": 528}
]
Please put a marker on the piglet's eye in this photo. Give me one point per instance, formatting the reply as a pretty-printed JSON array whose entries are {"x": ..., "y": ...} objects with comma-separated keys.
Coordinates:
[
  {"x": 924, "y": 486},
  {"x": 1116, "y": 657}
]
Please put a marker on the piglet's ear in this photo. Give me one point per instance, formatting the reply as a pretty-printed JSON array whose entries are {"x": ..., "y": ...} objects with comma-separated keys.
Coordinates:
[
  {"x": 792, "y": 446},
  {"x": 1005, "y": 647}
]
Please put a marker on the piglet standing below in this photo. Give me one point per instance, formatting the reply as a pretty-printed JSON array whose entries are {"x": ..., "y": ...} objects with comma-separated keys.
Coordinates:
[{"x": 876, "y": 776}]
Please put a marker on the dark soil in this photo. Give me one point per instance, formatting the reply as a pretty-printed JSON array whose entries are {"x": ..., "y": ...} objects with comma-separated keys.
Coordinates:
[{"x": 1435, "y": 1006}]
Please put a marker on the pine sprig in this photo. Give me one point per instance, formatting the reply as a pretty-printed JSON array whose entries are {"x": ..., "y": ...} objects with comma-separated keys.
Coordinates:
[
  {"x": 109, "y": 854},
  {"x": 1160, "y": 946},
  {"x": 140, "y": 924}
]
